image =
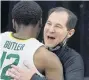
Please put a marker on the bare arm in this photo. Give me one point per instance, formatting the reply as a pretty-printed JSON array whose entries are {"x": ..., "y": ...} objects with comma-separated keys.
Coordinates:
[
  {"x": 52, "y": 65},
  {"x": 53, "y": 69}
]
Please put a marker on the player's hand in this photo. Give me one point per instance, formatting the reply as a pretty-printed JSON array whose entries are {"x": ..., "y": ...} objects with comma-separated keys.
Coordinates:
[{"x": 21, "y": 74}]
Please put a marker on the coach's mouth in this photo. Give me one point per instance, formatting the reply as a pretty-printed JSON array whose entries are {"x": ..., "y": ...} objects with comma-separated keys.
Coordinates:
[{"x": 50, "y": 37}]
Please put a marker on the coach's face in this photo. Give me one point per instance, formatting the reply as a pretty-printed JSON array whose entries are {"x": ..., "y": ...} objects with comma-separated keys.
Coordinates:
[{"x": 55, "y": 29}]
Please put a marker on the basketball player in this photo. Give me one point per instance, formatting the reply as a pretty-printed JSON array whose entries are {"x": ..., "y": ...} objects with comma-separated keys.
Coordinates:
[{"x": 23, "y": 46}]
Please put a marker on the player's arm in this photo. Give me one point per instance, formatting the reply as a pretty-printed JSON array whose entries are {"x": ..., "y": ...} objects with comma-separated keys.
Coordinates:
[{"x": 52, "y": 65}]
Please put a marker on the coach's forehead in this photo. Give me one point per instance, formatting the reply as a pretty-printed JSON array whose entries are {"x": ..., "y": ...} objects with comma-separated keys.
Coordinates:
[{"x": 59, "y": 17}]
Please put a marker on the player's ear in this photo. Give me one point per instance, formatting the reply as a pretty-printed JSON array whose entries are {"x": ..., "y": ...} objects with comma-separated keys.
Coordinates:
[
  {"x": 15, "y": 25},
  {"x": 40, "y": 23},
  {"x": 13, "y": 22}
]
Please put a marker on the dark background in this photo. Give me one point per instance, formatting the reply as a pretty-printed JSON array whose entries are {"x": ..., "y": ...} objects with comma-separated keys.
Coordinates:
[{"x": 79, "y": 41}]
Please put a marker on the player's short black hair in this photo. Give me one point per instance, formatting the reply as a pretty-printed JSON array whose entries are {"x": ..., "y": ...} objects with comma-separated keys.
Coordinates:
[
  {"x": 72, "y": 18},
  {"x": 27, "y": 12}
]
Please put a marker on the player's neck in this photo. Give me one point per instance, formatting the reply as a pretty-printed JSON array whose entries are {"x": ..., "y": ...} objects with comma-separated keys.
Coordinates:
[
  {"x": 23, "y": 35},
  {"x": 25, "y": 32}
]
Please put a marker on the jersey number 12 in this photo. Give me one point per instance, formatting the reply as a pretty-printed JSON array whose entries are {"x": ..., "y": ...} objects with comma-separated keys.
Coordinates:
[{"x": 4, "y": 70}]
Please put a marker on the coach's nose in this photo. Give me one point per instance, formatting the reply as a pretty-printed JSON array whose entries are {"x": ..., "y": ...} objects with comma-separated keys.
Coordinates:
[{"x": 51, "y": 29}]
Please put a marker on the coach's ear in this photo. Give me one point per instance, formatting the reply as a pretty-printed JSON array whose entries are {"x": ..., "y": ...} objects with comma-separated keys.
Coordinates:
[{"x": 70, "y": 33}]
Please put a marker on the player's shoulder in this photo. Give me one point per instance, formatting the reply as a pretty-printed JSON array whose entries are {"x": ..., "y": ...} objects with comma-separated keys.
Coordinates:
[
  {"x": 49, "y": 58},
  {"x": 45, "y": 54}
]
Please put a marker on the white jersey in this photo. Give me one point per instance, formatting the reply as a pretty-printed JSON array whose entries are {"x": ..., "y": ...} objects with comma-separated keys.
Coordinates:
[{"x": 16, "y": 51}]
